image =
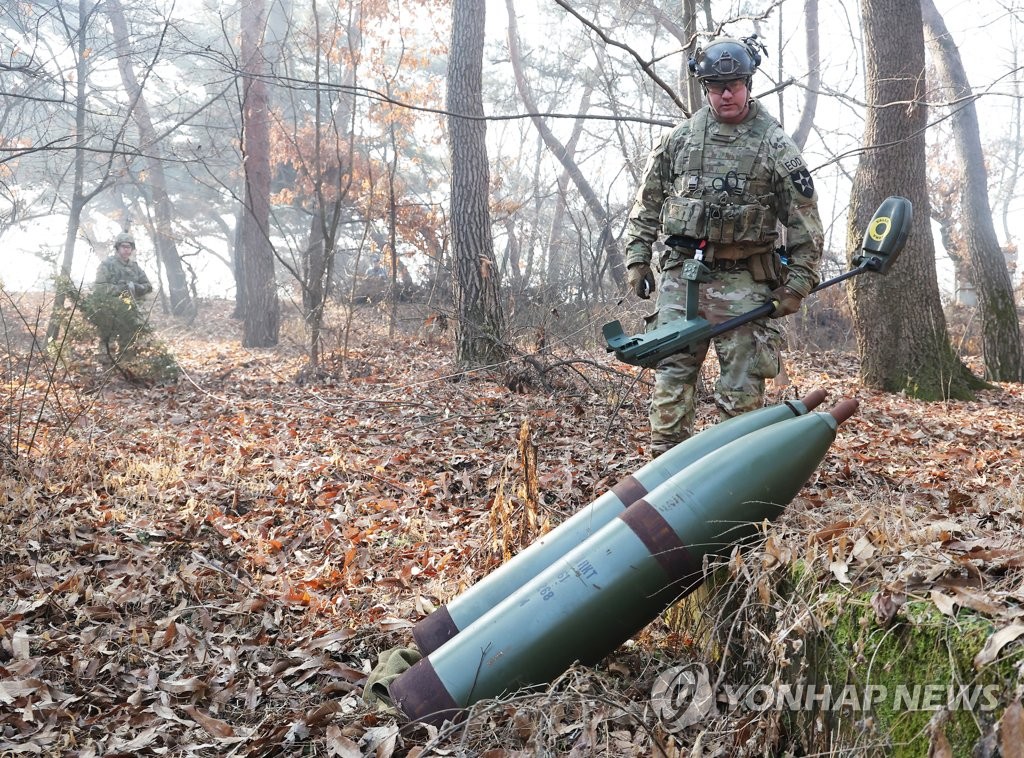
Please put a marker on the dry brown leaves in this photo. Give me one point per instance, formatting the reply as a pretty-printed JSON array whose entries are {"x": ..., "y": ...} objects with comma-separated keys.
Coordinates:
[{"x": 212, "y": 568}]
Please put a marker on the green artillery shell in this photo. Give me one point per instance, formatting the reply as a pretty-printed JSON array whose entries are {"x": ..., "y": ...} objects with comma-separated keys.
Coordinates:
[
  {"x": 444, "y": 623},
  {"x": 598, "y": 594}
]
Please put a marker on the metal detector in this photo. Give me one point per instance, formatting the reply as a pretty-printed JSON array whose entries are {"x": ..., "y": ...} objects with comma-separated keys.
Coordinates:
[{"x": 884, "y": 238}]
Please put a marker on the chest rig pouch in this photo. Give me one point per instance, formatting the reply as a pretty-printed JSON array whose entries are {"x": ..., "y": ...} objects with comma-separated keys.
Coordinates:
[{"x": 718, "y": 197}]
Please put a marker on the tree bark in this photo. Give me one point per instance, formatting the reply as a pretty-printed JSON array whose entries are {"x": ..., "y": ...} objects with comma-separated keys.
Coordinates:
[
  {"x": 480, "y": 322},
  {"x": 166, "y": 247},
  {"x": 1000, "y": 329},
  {"x": 901, "y": 329},
  {"x": 262, "y": 315}
]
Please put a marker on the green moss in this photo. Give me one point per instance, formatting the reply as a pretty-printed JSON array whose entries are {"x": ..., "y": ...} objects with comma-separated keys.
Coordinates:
[
  {"x": 917, "y": 671},
  {"x": 921, "y": 648}
]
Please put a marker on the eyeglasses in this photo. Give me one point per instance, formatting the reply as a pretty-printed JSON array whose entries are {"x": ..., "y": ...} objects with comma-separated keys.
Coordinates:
[{"x": 734, "y": 86}]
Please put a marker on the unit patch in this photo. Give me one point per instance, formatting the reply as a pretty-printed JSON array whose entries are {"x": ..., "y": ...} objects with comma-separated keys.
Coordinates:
[{"x": 803, "y": 182}]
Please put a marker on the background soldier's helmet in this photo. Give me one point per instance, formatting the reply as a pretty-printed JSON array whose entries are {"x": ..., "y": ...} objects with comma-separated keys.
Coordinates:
[
  {"x": 726, "y": 59},
  {"x": 122, "y": 238}
]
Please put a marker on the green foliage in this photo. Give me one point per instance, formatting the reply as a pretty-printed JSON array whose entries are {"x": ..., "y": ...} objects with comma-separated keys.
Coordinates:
[{"x": 126, "y": 341}]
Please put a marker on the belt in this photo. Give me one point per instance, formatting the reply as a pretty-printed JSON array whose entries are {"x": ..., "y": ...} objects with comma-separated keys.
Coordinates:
[{"x": 721, "y": 264}]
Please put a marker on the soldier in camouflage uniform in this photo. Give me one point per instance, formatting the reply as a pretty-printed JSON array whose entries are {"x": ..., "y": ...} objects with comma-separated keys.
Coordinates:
[
  {"x": 120, "y": 283},
  {"x": 718, "y": 187},
  {"x": 119, "y": 274}
]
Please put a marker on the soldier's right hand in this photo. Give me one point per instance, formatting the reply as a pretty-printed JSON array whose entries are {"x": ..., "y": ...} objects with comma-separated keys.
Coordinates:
[
  {"x": 641, "y": 280},
  {"x": 787, "y": 301}
]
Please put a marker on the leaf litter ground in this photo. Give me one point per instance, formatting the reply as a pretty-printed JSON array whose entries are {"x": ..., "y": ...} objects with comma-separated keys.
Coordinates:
[{"x": 212, "y": 568}]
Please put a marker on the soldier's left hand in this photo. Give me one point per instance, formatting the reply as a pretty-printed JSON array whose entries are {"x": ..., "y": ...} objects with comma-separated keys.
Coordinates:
[
  {"x": 787, "y": 301},
  {"x": 640, "y": 279}
]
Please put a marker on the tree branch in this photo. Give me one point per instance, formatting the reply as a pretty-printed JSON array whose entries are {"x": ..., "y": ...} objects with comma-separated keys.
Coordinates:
[{"x": 645, "y": 66}]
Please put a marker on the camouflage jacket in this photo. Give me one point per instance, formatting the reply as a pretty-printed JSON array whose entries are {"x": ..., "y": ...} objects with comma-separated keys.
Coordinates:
[
  {"x": 113, "y": 276},
  {"x": 732, "y": 185}
]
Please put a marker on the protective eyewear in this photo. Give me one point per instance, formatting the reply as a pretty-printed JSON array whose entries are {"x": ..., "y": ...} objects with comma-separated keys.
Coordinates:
[{"x": 734, "y": 86}]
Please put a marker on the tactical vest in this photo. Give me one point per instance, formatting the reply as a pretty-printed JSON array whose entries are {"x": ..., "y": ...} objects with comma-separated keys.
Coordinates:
[{"x": 717, "y": 194}]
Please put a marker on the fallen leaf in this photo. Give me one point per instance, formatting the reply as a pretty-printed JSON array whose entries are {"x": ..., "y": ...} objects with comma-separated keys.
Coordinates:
[
  {"x": 937, "y": 531},
  {"x": 1011, "y": 729},
  {"x": 341, "y": 746},
  {"x": 20, "y": 646},
  {"x": 997, "y": 642},
  {"x": 840, "y": 569},
  {"x": 423, "y": 606},
  {"x": 887, "y": 604},
  {"x": 830, "y": 532},
  {"x": 12, "y": 690},
  {"x": 863, "y": 549},
  {"x": 390, "y": 624},
  {"x": 380, "y": 741},
  {"x": 945, "y": 603},
  {"x": 978, "y": 601},
  {"x": 214, "y": 726},
  {"x": 183, "y": 686}
]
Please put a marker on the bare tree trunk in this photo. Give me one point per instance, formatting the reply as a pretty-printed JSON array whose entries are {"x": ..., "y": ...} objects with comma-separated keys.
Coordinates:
[
  {"x": 314, "y": 285},
  {"x": 511, "y": 261},
  {"x": 238, "y": 262},
  {"x": 901, "y": 329},
  {"x": 166, "y": 247},
  {"x": 392, "y": 227},
  {"x": 1012, "y": 163},
  {"x": 480, "y": 324},
  {"x": 556, "y": 245},
  {"x": 79, "y": 197},
  {"x": 331, "y": 176},
  {"x": 613, "y": 255},
  {"x": 803, "y": 129},
  {"x": 262, "y": 310},
  {"x": 694, "y": 96},
  {"x": 1000, "y": 328}
]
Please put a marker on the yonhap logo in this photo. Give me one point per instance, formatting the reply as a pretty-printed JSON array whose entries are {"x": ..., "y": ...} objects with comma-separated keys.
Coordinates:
[{"x": 682, "y": 696}]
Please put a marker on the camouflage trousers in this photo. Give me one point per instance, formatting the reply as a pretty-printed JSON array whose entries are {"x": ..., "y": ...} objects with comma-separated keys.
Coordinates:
[{"x": 747, "y": 355}]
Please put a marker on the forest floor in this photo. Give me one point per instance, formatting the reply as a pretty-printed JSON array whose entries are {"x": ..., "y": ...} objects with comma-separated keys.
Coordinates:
[{"x": 212, "y": 567}]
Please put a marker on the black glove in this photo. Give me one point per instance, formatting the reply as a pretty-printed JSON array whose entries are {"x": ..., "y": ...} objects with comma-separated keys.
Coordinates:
[
  {"x": 787, "y": 301},
  {"x": 641, "y": 280}
]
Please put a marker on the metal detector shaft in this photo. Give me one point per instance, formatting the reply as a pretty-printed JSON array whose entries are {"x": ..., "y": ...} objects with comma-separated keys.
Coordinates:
[{"x": 763, "y": 311}]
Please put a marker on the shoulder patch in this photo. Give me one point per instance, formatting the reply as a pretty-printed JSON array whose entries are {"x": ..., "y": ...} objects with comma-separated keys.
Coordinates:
[
  {"x": 803, "y": 182},
  {"x": 793, "y": 164}
]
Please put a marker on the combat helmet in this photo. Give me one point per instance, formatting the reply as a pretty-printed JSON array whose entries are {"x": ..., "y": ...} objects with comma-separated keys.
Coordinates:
[
  {"x": 122, "y": 238},
  {"x": 726, "y": 59}
]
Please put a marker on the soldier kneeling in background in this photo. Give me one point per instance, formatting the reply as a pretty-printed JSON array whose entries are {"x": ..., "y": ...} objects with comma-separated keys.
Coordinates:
[{"x": 120, "y": 284}]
